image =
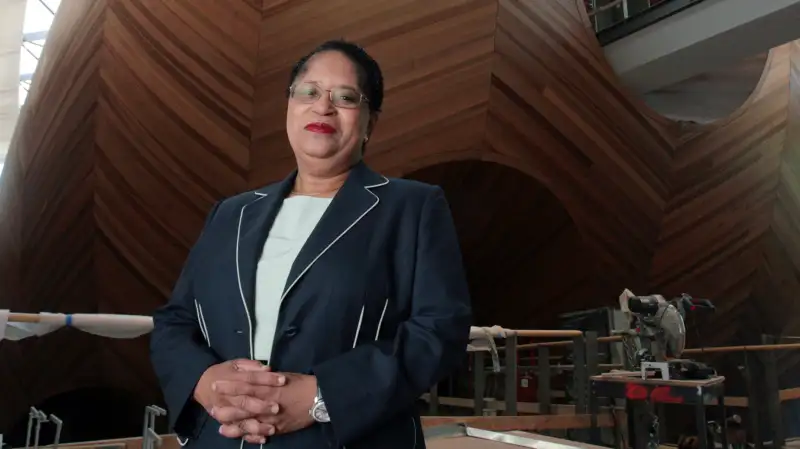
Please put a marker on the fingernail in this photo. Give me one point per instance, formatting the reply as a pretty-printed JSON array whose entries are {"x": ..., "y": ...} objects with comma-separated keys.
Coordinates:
[
  {"x": 271, "y": 431},
  {"x": 220, "y": 429},
  {"x": 213, "y": 411},
  {"x": 274, "y": 408},
  {"x": 281, "y": 380}
]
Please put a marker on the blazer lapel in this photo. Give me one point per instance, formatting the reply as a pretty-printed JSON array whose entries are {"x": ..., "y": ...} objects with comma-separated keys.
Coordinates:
[{"x": 353, "y": 201}]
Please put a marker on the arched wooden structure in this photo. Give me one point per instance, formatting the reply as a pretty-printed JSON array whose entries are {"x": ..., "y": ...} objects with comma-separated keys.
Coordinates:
[
  {"x": 143, "y": 112},
  {"x": 505, "y": 275}
]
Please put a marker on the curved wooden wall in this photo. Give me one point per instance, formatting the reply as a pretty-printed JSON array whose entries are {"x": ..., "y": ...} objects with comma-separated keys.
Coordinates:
[{"x": 144, "y": 112}]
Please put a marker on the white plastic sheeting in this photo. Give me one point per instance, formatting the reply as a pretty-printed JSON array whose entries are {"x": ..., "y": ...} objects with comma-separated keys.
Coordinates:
[{"x": 19, "y": 326}]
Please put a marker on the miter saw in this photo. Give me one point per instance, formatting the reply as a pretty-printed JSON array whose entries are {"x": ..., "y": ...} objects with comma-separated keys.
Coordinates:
[{"x": 657, "y": 336}]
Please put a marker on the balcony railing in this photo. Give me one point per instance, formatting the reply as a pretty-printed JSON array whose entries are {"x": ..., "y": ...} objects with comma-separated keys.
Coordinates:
[{"x": 615, "y": 19}]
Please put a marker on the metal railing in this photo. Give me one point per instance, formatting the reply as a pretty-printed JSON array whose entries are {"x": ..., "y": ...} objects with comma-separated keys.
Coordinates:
[
  {"x": 615, "y": 19},
  {"x": 583, "y": 355},
  {"x": 150, "y": 438},
  {"x": 40, "y": 417}
]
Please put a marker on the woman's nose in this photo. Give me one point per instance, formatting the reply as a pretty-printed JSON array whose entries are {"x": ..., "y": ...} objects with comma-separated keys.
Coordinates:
[{"x": 323, "y": 105}]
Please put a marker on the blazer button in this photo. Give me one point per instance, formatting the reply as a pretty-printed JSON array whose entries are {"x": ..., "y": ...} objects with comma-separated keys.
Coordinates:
[{"x": 291, "y": 331}]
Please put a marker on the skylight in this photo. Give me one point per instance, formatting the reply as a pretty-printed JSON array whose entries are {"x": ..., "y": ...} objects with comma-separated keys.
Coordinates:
[{"x": 39, "y": 16}]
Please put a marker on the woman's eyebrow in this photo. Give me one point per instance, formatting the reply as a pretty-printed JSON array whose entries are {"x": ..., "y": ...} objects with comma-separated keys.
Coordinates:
[{"x": 346, "y": 86}]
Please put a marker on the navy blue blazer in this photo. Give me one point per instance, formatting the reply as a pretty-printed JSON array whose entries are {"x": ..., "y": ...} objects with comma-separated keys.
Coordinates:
[{"x": 376, "y": 306}]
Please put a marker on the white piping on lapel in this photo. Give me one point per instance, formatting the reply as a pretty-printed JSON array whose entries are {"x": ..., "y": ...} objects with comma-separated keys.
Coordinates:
[
  {"x": 239, "y": 275},
  {"x": 201, "y": 320},
  {"x": 380, "y": 322},
  {"x": 205, "y": 326},
  {"x": 414, "y": 427},
  {"x": 358, "y": 328},
  {"x": 377, "y": 200}
]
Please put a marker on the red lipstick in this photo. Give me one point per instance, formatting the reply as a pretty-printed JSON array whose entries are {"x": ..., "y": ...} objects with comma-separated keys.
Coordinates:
[{"x": 322, "y": 128}]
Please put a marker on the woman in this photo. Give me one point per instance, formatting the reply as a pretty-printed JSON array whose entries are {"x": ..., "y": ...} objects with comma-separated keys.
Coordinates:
[{"x": 312, "y": 313}]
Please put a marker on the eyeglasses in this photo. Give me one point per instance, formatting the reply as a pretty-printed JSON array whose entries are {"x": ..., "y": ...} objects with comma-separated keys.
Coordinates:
[{"x": 341, "y": 97}]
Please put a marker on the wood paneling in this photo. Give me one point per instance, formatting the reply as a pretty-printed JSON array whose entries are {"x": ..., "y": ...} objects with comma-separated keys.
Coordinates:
[
  {"x": 565, "y": 188},
  {"x": 719, "y": 220},
  {"x": 48, "y": 224}
]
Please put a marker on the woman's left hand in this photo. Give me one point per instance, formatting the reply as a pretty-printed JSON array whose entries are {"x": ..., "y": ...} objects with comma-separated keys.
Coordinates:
[{"x": 259, "y": 411}]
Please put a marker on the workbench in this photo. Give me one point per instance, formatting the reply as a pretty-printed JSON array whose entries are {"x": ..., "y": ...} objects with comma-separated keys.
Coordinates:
[{"x": 630, "y": 387}]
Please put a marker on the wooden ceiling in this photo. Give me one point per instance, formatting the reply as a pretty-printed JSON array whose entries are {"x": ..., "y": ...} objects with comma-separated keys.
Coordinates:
[{"x": 566, "y": 189}]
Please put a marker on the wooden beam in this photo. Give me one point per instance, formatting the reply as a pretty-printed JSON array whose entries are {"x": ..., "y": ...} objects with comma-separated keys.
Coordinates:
[
  {"x": 522, "y": 407},
  {"x": 508, "y": 423},
  {"x": 568, "y": 409}
]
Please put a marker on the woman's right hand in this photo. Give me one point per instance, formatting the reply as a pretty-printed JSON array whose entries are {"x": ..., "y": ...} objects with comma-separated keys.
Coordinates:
[{"x": 230, "y": 370}]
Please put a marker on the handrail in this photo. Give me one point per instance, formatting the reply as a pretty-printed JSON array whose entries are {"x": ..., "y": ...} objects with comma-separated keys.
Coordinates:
[
  {"x": 477, "y": 332},
  {"x": 606, "y": 7},
  {"x": 701, "y": 350},
  {"x": 551, "y": 344},
  {"x": 24, "y": 317},
  {"x": 743, "y": 348},
  {"x": 620, "y": 18}
]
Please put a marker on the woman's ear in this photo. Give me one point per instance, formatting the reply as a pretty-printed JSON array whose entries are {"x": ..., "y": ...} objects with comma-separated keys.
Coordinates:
[{"x": 373, "y": 119}]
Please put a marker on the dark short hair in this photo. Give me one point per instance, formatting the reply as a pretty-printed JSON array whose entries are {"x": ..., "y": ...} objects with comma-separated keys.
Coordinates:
[{"x": 370, "y": 78}]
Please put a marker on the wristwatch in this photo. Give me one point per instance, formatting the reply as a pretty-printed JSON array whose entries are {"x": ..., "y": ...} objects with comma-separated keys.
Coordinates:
[{"x": 318, "y": 411}]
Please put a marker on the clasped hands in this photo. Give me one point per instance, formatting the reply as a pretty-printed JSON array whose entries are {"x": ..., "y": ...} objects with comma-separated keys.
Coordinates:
[{"x": 251, "y": 401}]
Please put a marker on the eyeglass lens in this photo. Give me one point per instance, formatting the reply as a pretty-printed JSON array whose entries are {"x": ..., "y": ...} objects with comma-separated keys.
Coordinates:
[{"x": 341, "y": 97}]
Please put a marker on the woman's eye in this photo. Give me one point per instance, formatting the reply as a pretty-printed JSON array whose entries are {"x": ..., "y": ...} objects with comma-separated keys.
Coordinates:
[
  {"x": 348, "y": 96},
  {"x": 306, "y": 91}
]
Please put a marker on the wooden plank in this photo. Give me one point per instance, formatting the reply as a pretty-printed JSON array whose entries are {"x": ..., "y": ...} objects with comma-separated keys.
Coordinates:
[
  {"x": 506, "y": 423},
  {"x": 568, "y": 409},
  {"x": 630, "y": 377},
  {"x": 465, "y": 442},
  {"x": 500, "y": 406}
]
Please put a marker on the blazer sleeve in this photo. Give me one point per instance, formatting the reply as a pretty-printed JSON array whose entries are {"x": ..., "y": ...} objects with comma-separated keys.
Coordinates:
[
  {"x": 178, "y": 352},
  {"x": 367, "y": 386}
]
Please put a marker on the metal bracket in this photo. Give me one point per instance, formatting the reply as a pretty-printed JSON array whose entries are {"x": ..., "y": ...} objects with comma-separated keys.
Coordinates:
[
  {"x": 150, "y": 438},
  {"x": 40, "y": 417},
  {"x": 59, "y": 424},
  {"x": 660, "y": 366}
]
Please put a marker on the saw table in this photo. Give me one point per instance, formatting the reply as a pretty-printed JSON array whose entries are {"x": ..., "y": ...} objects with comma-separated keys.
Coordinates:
[{"x": 646, "y": 393}]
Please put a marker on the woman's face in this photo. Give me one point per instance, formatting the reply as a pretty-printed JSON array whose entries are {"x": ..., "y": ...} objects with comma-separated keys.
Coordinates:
[{"x": 318, "y": 129}]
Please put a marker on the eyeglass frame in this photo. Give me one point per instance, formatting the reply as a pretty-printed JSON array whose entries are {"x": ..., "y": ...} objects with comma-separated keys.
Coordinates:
[{"x": 362, "y": 98}]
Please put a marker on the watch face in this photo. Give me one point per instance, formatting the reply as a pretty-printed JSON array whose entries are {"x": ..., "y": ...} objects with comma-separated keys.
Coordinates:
[{"x": 320, "y": 413}]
